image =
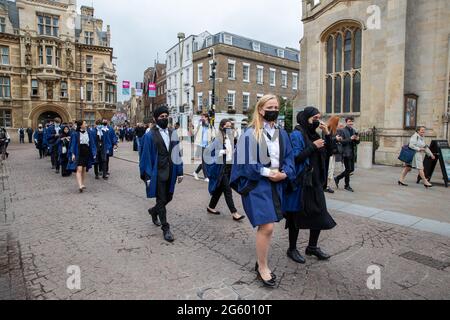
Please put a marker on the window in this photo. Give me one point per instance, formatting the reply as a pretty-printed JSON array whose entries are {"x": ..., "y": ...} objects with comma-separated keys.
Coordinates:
[
  {"x": 231, "y": 70},
  {"x": 227, "y": 39},
  {"x": 34, "y": 88},
  {"x": 58, "y": 57},
  {"x": 260, "y": 75},
  {"x": 41, "y": 55},
  {"x": 231, "y": 99},
  {"x": 89, "y": 63},
  {"x": 188, "y": 52},
  {"x": 5, "y": 55},
  {"x": 272, "y": 79},
  {"x": 175, "y": 59},
  {"x": 259, "y": 96},
  {"x": 200, "y": 101},
  {"x": 209, "y": 41},
  {"x": 246, "y": 101},
  {"x": 89, "y": 117},
  {"x": 210, "y": 96},
  {"x": 2, "y": 24},
  {"x": 280, "y": 53},
  {"x": 284, "y": 79},
  {"x": 200, "y": 72},
  {"x": 188, "y": 75},
  {"x": 48, "y": 25},
  {"x": 110, "y": 93},
  {"x": 295, "y": 81},
  {"x": 343, "y": 70},
  {"x": 64, "y": 89},
  {"x": 89, "y": 38},
  {"x": 246, "y": 72},
  {"x": 170, "y": 62},
  {"x": 256, "y": 46},
  {"x": 5, "y": 87},
  {"x": 5, "y": 118},
  {"x": 49, "y": 55}
]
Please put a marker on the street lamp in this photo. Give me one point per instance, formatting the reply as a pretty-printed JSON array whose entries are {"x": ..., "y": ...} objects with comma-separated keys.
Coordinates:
[{"x": 212, "y": 112}]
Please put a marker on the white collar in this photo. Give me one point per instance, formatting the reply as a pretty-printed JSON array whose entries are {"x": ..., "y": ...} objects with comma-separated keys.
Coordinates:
[{"x": 161, "y": 129}]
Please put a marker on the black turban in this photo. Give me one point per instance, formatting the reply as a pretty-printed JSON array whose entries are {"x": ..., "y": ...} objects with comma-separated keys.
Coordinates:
[{"x": 160, "y": 111}]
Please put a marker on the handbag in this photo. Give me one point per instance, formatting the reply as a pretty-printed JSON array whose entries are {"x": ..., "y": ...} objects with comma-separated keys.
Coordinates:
[{"x": 407, "y": 155}]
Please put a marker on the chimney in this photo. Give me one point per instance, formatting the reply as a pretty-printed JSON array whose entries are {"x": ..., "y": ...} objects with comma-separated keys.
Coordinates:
[{"x": 87, "y": 11}]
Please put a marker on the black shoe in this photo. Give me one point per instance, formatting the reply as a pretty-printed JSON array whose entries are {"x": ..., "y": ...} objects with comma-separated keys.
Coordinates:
[
  {"x": 402, "y": 184},
  {"x": 318, "y": 253},
  {"x": 349, "y": 189},
  {"x": 105, "y": 178},
  {"x": 168, "y": 236},
  {"x": 329, "y": 190},
  {"x": 57, "y": 171},
  {"x": 216, "y": 213},
  {"x": 154, "y": 218},
  {"x": 97, "y": 178},
  {"x": 268, "y": 284},
  {"x": 296, "y": 256},
  {"x": 336, "y": 181},
  {"x": 273, "y": 275}
]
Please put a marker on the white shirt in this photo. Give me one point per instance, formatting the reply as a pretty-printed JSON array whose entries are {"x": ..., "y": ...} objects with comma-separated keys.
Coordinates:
[
  {"x": 84, "y": 138},
  {"x": 229, "y": 150},
  {"x": 273, "y": 146},
  {"x": 165, "y": 135}
]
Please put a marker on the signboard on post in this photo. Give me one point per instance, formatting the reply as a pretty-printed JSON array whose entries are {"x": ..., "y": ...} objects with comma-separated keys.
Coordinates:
[
  {"x": 152, "y": 90},
  {"x": 126, "y": 88},
  {"x": 441, "y": 150},
  {"x": 139, "y": 89}
]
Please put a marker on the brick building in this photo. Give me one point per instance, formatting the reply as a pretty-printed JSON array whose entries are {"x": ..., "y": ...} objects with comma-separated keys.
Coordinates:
[
  {"x": 156, "y": 74},
  {"x": 246, "y": 70}
]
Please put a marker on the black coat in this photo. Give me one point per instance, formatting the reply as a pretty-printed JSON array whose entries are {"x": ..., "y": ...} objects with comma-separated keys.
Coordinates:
[{"x": 348, "y": 145}]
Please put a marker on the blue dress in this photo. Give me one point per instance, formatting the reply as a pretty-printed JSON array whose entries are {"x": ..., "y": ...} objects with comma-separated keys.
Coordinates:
[{"x": 262, "y": 199}]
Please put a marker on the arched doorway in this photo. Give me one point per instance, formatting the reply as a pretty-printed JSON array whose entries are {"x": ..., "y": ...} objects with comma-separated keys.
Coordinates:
[{"x": 47, "y": 116}]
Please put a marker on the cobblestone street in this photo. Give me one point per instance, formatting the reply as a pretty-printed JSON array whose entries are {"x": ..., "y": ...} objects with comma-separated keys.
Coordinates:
[{"x": 47, "y": 226}]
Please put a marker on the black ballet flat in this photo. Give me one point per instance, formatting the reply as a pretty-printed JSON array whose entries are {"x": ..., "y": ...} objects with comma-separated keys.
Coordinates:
[
  {"x": 318, "y": 253},
  {"x": 239, "y": 219},
  {"x": 81, "y": 190},
  {"x": 217, "y": 213}
]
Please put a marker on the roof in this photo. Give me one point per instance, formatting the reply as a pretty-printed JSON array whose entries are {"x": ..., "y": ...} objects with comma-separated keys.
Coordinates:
[
  {"x": 247, "y": 44},
  {"x": 13, "y": 13}
]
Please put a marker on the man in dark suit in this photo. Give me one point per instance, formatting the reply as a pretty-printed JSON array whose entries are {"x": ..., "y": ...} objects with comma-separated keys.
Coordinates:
[
  {"x": 30, "y": 133},
  {"x": 161, "y": 168},
  {"x": 350, "y": 139}
]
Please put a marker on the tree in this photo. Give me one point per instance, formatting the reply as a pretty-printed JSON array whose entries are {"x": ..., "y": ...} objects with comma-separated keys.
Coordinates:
[{"x": 287, "y": 110}]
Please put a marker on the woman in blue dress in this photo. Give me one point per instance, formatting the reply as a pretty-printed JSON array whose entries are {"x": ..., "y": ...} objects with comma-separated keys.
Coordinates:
[{"x": 263, "y": 163}]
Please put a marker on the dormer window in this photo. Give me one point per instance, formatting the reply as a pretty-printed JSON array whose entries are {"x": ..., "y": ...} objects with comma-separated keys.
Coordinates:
[
  {"x": 209, "y": 41},
  {"x": 256, "y": 46},
  {"x": 280, "y": 53},
  {"x": 227, "y": 39},
  {"x": 2, "y": 24},
  {"x": 89, "y": 38}
]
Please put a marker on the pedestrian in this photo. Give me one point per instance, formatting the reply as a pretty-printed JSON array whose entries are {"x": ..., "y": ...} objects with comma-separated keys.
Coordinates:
[
  {"x": 418, "y": 144},
  {"x": 139, "y": 135},
  {"x": 114, "y": 144},
  {"x": 350, "y": 139},
  {"x": 333, "y": 125},
  {"x": 103, "y": 146},
  {"x": 204, "y": 135},
  {"x": 30, "y": 133},
  {"x": 21, "y": 133},
  {"x": 63, "y": 150},
  {"x": 4, "y": 142},
  {"x": 305, "y": 203},
  {"x": 82, "y": 153},
  {"x": 39, "y": 136},
  {"x": 219, "y": 170},
  {"x": 52, "y": 133},
  {"x": 260, "y": 177},
  {"x": 161, "y": 168}
]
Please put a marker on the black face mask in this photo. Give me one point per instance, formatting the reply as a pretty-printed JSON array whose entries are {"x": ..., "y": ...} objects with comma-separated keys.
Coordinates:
[
  {"x": 271, "y": 116},
  {"x": 105, "y": 124},
  {"x": 163, "y": 123},
  {"x": 315, "y": 125}
]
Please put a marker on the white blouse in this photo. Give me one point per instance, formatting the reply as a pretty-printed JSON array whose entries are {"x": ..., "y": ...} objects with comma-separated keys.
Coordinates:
[{"x": 84, "y": 138}]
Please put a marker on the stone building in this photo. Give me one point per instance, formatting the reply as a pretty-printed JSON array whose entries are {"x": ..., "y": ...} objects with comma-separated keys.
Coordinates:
[
  {"x": 246, "y": 70},
  {"x": 379, "y": 61},
  {"x": 157, "y": 75},
  {"x": 55, "y": 63}
]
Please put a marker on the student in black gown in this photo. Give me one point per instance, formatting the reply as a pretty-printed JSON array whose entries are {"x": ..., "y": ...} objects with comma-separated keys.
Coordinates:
[
  {"x": 305, "y": 205},
  {"x": 63, "y": 150}
]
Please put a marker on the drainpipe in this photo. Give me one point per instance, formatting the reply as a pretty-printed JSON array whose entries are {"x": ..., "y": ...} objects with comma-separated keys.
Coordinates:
[{"x": 447, "y": 94}]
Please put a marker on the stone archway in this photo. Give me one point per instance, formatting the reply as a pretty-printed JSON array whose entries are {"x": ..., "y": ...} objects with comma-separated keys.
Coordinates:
[{"x": 48, "y": 111}]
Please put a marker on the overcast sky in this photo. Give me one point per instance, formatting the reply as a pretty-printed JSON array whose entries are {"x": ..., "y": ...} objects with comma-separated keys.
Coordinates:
[{"x": 143, "y": 28}]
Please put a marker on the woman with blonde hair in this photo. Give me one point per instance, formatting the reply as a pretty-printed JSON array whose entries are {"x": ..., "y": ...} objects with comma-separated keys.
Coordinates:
[
  {"x": 333, "y": 127},
  {"x": 262, "y": 166}
]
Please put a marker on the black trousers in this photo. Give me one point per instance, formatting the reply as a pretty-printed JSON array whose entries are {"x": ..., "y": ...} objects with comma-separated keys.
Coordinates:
[
  {"x": 349, "y": 164},
  {"x": 224, "y": 188},
  {"x": 202, "y": 166},
  {"x": 41, "y": 152},
  {"x": 54, "y": 157},
  {"x": 30, "y": 138},
  {"x": 101, "y": 164},
  {"x": 163, "y": 198},
  {"x": 22, "y": 139}
]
